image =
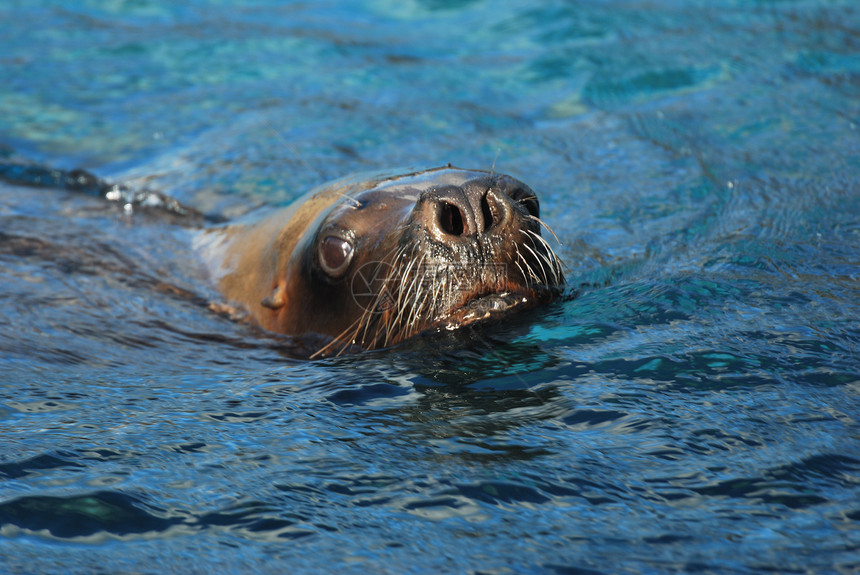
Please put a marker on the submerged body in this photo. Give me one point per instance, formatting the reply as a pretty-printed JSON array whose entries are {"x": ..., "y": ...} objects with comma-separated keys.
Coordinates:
[{"x": 371, "y": 262}]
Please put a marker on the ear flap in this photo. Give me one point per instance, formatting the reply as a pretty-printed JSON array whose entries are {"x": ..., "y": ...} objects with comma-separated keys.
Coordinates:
[{"x": 275, "y": 300}]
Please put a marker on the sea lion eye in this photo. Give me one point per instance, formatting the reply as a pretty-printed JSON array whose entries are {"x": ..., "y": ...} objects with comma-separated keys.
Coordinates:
[{"x": 335, "y": 254}]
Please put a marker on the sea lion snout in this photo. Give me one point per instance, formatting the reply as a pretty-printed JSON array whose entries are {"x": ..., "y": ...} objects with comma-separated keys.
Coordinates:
[
  {"x": 371, "y": 262},
  {"x": 482, "y": 206}
]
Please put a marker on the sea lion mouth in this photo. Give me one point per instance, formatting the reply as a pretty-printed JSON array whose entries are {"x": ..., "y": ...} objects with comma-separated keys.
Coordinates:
[
  {"x": 490, "y": 306},
  {"x": 418, "y": 299}
]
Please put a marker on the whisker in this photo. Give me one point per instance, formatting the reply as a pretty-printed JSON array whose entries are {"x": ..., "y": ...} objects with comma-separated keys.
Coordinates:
[
  {"x": 382, "y": 314},
  {"x": 338, "y": 339},
  {"x": 525, "y": 276},
  {"x": 546, "y": 226},
  {"x": 439, "y": 291},
  {"x": 532, "y": 273},
  {"x": 493, "y": 167},
  {"x": 402, "y": 296},
  {"x": 550, "y": 257},
  {"x": 539, "y": 262}
]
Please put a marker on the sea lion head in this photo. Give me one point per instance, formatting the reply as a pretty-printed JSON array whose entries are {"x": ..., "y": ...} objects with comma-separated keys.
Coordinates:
[{"x": 394, "y": 257}]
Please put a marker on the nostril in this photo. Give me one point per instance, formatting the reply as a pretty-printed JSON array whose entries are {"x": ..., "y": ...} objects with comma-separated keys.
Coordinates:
[
  {"x": 487, "y": 212},
  {"x": 451, "y": 219},
  {"x": 527, "y": 199}
]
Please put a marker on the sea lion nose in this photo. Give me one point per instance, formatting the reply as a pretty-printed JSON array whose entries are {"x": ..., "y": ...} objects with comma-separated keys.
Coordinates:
[{"x": 465, "y": 211}]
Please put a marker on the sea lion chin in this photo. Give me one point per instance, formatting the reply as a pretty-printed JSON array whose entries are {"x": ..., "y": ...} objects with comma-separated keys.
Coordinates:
[{"x": 369, "y": 262}]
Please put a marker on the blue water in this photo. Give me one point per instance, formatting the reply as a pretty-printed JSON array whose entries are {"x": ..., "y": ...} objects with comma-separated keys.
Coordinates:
[{"x": 691, "y": 407}]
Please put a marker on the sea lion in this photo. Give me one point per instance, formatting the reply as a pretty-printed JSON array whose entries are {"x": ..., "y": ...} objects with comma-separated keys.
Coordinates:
[{"x": 370, "y": 262}]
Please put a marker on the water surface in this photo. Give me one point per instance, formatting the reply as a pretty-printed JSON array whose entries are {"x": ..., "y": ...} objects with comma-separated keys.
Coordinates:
[{"x": 690, "y": 407}]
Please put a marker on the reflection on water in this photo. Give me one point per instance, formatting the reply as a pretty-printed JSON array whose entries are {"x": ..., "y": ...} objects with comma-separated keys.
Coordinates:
[{"x": 690, "y": 406}]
